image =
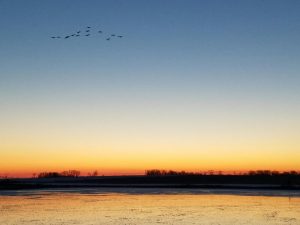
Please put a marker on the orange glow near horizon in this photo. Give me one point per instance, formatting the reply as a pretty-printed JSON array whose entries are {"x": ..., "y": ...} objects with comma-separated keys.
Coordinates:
[{"x": 22, "y": 164}]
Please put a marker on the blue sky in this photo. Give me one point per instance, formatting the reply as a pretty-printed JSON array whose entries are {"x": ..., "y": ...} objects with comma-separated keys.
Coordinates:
[{"x": 182, "y": 68}]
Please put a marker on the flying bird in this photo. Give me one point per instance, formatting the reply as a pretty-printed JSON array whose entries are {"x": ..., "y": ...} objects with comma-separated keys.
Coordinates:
[
  {"x": 100, "y": 31},
  {"x": 87, "y": 31},
  {"x": 108, "y": 39},
  {"x": 87, "y": 35},
  {"x": 67, "y": 37},
  {"x": 88, "y": 27},
  {"x": 119, "y": 36},
  {"x": 113, "y": 35}
]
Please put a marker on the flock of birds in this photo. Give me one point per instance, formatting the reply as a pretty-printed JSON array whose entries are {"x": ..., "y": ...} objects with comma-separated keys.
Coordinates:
[{"x": 86, "y": 33}]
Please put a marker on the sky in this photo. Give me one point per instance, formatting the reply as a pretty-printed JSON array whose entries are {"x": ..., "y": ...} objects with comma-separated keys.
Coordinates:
[{"x": 192, "y": 85}]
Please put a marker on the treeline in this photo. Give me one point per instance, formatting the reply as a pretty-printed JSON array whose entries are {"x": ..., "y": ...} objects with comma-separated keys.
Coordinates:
[
  {"x": 69, "y": 173},
  {"x": 273, "y": 173},
  {"x": 156, "y": 172}
]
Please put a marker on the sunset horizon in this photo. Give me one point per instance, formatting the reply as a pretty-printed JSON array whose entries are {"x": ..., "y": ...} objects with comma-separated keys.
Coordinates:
[{"x": 182, "y": 86}]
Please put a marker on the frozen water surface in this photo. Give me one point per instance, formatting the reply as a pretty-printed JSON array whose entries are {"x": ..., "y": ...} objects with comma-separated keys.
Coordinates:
[{"x": 94, "y": 207}]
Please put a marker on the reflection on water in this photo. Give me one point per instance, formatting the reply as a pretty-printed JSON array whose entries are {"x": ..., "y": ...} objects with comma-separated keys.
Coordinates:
[{"x": 62, "y": 208}]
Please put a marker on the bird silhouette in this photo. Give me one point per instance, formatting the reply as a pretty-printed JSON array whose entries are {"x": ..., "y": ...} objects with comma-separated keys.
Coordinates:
[
  {"x": 78, "y": 32},
  {"x": 67, "y": 37},
  {"x": 113, "y": 35},
  {"x": 120, "y": 36},
  {"x": 100, "y": 31},
  {"x": 87, "y": 31},
  {"x": 53, "y": 37},
  {"x": 87, "y": 35},
  {"x": 88, "y": 27},
  {"x": 108, "y": 39}
]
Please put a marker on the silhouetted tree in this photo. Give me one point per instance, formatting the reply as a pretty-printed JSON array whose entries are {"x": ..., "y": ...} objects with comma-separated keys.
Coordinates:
[
  {"x": 93, "y": 174},
  {"x": 70, "y": 173},
  {"x": 154, "y": 172},
  {"x": 49, "y": 175}
]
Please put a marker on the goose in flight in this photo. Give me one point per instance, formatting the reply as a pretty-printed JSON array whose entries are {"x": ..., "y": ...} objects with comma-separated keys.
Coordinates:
[
  {"x": 119, "y": 36},
  {"x": 108, "y": 39}
]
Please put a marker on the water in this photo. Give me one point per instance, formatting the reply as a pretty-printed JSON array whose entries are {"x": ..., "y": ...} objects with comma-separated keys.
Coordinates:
[{"x": 141, "y": 207}]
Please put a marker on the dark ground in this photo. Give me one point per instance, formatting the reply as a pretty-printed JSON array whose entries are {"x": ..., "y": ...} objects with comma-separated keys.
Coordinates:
[{"x": 280, "y": 182}]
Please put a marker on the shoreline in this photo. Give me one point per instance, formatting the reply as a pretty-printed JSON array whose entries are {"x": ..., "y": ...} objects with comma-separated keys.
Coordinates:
[{"x": 152, "y": 191}]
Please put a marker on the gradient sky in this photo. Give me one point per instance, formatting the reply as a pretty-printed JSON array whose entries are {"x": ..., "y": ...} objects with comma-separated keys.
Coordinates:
[{"x": 193, "y": 85}]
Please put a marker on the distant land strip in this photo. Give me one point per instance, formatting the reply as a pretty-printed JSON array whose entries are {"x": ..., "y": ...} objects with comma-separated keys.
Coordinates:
[{"x": 159, "y": 179}]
